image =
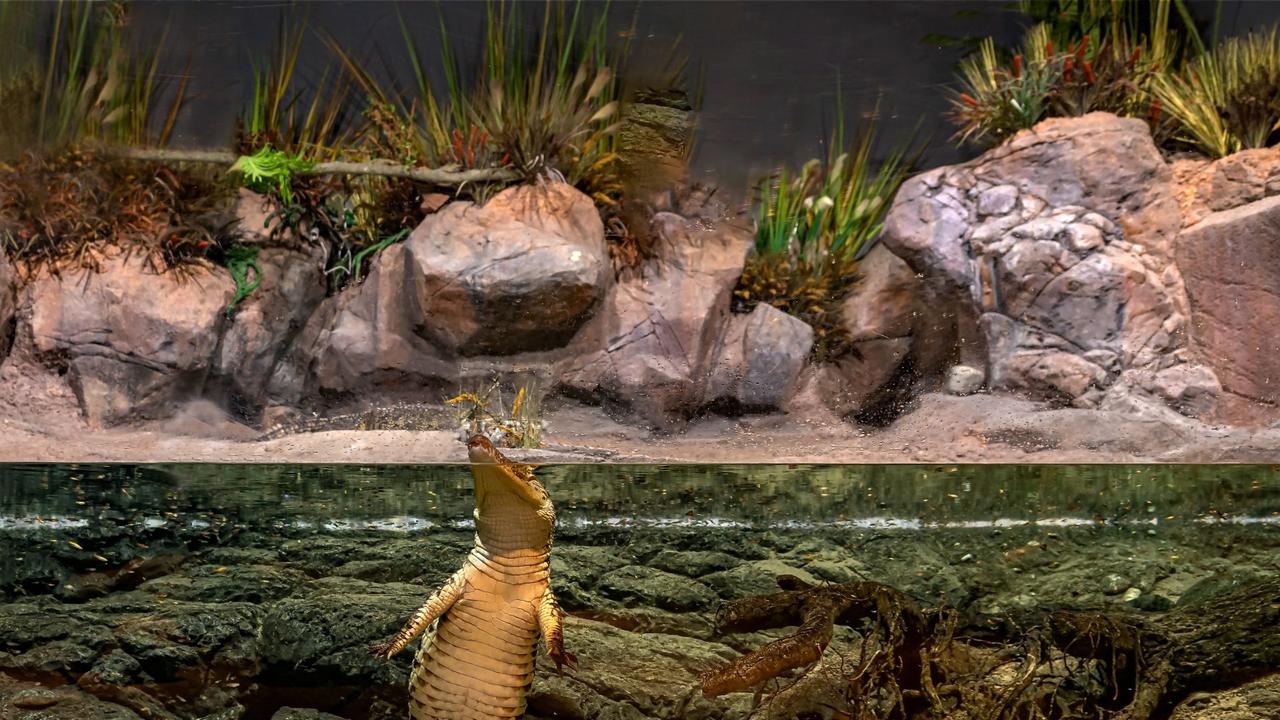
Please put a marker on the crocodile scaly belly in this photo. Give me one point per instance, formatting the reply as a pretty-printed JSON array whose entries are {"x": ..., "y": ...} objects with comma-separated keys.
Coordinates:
[{"x": 479, "y": 663}]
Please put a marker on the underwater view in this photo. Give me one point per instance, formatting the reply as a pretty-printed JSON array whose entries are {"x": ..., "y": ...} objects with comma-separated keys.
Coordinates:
[
  {"x": 728, "y": 591},
  {"x": 630, "y": 360}
]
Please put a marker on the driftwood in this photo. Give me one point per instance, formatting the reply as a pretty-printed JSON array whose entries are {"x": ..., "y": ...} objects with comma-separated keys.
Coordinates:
[
  {"x": 450, "y": 175},
  {"x": 1119, "y": 666}
]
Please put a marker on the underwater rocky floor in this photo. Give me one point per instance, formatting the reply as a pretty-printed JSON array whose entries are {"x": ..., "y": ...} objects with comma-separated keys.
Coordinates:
[{"x": 213, "y": 619}]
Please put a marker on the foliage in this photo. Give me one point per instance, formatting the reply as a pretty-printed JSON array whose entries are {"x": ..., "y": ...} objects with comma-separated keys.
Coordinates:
[
  {"x": 1227, "y": 99},
  {"x": 283, "y": 116},
  {"x": 239, "y": 260},
  {"x": 482, "y": 412},
  {"x": 68, "y": 210},
  {"x": 810, "y": 227},
  {"x": 81, "y": 84},
  {"x": 545, "y": 103},
  {"x": 271, "y": 171},
  {"x": 1086, "y": 56}
]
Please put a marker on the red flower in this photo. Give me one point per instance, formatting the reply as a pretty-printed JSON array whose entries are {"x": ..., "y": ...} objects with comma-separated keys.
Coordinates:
[
  {"x": 1088, "y": 72},
  {"x": 1066, "y": 69},
  {"x": 1048, "y": 48},
  {"x": 202, "y": 244},
  {"x": 1017, "y": 65},
  {"x": 967, "y": 100}
]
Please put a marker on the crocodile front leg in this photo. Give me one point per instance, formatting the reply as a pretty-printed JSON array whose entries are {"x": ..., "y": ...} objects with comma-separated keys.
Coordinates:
[
  {"x": 551, "y": 623},
  {"x": 437, "y": 604}
]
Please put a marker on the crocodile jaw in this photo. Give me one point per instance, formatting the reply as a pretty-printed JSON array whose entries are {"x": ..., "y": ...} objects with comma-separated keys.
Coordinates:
[{"x": 503, "y": 490}]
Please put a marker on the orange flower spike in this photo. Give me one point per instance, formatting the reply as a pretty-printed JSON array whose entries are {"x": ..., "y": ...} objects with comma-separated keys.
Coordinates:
[
  {"x": 1155, "y": 111},
  {"x": 1088, "y": 72},
  {"x": 1066, "y": 69},
  {"x": 1084, "y": 43},
  {"x": 1133, "y": 59},
  {"x": 1048, "y": 48},
  {"x": 1017, "y": 65},
  {"x": 968, "y": 100}
]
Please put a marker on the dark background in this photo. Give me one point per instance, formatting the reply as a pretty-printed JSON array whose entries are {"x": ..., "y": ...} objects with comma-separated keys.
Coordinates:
[{"x": 769, "y": 68}]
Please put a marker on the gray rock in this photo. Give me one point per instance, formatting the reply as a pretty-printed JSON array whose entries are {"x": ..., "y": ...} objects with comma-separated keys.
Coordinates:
[
  {"x": 1068, "y": 272},
  {"x": 964, "y": 380},
  {"x": 264, "y": 324},
  {"x": 1114, "y": 584},
  {"x": 693, "y": 563},
  {"x": 760, "y": 358},
  {"x": 135, "y": 344},
  {"x": 1256, "y": 700},
  {"x": 656, "y": 588},
  {"x": 650, "y": 347},
  {"x": 303, "y": 714},
  {"x": 520, "y": 274}
]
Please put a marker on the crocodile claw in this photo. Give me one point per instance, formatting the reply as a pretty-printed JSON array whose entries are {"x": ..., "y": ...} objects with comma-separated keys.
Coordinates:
[
  {"x": 563, "y": 660},
  {"x": 382, "y": 650}
]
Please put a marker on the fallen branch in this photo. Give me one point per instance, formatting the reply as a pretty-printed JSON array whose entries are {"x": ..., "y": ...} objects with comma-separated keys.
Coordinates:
[{"x": 447, "y": 175}]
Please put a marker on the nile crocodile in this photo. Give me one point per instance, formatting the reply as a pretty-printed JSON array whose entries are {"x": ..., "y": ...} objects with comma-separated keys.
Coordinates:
[{"x": 476, "y": 661}]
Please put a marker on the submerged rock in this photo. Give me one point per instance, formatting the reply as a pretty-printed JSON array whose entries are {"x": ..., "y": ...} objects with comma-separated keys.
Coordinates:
[
  {"x": 519, "y": 274},
  {"x": 1059, "y": 242},
  {"x": 134, "y": 344}
]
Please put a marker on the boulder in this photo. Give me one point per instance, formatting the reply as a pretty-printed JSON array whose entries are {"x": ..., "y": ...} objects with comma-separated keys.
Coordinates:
[
  {"x": 521, "y": 273},
  {"x": 264, "y": 324},
  {"x": 134, "y": 344},
  {"x": 651, "y": 346},
  {"x": 362, "y": 338},
  {"x": 1058, "y": 242},
  {"x": 8, "y": 302},
  {"x": 964, "y": 380},
  {"x": 1255, "y": 700},
  {"x": 1208, "y": 186},
  {"x": 1231, "y": 262},
  {"x": 759, "y": 359}
]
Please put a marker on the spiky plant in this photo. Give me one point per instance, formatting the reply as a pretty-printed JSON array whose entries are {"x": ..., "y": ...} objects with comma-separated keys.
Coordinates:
[
  {"x": 1228, "y": 99},
  {"x": 810, "y": 227}
]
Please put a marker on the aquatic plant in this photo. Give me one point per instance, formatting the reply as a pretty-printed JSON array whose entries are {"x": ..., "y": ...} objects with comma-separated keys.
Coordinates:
[
  {"x": 810, "y": 227},
  {"x": 1228, "y": 99}
]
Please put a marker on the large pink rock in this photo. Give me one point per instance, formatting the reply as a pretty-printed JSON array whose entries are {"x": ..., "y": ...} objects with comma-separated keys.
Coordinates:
[
  {"x": 652, "y": 345},
  {"x": 521, "y": 273},
  {"x": 1231, "y": 261},
  {"x": 134, "y": 344}
]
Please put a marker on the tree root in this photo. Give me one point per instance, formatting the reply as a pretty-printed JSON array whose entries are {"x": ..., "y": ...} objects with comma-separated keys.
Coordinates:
[{"x": 1071, "y": 666}]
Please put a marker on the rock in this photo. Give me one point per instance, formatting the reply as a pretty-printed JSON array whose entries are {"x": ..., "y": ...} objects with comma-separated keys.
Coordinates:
[
  {"x": 21, "y": 700},
  {"x": 650, "y": 348},
  {"x": 886, "y": 301},
  {"x": 693, "y": 563},
  {"x": 760, "y": 358},
  {"x": 848, "y": 384},
  {"x": 1256, "y": 700},
  {"x": 1206, "y": 187},
  {"x": 361, "y": 338},
  {"x": 1114, "y": 584},
  {"x": 964, "y": 380},
  {"x": 656, "y": 130},
  {"x": 302, "y": 714},
  {"x": 8, "y": 303},
  {"x": 1105, "y": 163},
  {"x": 1231, "y": 262},
  {"x": 134, "y": 344},
  {"x": 1066, "y": 266},
  {"x": 655, "y": 588},
  {"x": 520, "y": 274},
  {"x": 264, "y": 324},
  {"x": 632, "y": 676}
]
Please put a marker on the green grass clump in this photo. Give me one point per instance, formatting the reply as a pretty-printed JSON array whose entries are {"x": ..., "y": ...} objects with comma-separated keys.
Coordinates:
[
  {"x": 810, "y": 226},
  {"x": 65, "y": 77},
  {"x": 1087, "y": 56},
  {"x": 1227, "y": 99}
]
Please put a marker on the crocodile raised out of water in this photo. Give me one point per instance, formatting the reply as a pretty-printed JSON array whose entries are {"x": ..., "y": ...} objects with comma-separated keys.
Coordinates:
[{"x": 476, "y": 661}]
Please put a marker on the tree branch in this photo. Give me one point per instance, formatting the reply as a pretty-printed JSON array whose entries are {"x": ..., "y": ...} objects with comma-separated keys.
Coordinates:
[{"x": 447, "y": 175}]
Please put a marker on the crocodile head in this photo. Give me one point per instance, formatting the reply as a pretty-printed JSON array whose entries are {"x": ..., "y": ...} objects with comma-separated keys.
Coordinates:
[{"x": 504, "y": 487}]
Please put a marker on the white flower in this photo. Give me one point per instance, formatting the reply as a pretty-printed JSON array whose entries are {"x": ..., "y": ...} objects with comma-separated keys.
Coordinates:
[{"x": 825, "y": 203}]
